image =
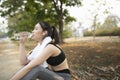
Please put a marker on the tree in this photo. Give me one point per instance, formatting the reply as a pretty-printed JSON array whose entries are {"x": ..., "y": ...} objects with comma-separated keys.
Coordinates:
[
  {"x": 96, "y": 12},
  {"x": 94, "y": 24},
  {"x": 111, "y": 21},
  {"x": 58, "y": 4},
  {"x": 48, "y": 10}
]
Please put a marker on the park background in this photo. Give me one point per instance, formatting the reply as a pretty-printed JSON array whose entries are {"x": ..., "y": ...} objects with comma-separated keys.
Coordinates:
[{"x": 89, "y": 32}]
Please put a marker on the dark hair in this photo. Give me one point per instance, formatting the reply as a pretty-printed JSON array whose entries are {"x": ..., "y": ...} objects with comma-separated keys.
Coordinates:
[{"x": 52, "y": 31}]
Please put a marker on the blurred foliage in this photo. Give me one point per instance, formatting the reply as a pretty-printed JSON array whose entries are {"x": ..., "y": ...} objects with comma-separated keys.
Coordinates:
[
  {"x": 109, "y": 28},
  {"x": 111, "y": 21},
  {"x": 104, "y": 32},
  {"x": 2, "y": 34},
  {"x": 24, "y": 14},
  {"x": 67, "y": 32},
  {"x": 108, "y": 32},
  {"x": 87, "y": 33}
]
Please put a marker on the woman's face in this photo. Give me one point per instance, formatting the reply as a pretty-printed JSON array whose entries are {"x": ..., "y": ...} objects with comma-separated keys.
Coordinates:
[{"x": 38, "y": 33}]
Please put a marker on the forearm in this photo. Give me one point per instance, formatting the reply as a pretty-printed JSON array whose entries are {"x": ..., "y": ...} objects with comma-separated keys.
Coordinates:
[
  {"x": 21, "y": 73},
  {"x": 23, "y": 56}
]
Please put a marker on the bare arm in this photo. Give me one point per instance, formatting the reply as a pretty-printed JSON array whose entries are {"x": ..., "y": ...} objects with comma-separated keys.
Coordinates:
[
  {"x": 23, "y": 56},
  {"x": 48, "y": 51}
]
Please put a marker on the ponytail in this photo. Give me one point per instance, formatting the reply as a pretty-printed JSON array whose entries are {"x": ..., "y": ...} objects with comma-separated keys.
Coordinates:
[
  {"x": 54, "y": 35},
  {"x": 51, "y": 31}
]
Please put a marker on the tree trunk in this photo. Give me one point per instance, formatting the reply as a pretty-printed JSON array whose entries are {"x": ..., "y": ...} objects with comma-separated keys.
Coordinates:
[
  {"x": 59, "y": 10},
  {"x": 94, "y": 25},
  {"x": 60, "y": 31}
]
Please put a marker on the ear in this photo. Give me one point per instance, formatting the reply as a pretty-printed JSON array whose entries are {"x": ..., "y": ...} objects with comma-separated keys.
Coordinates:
[{"x": 45, "y": 33}]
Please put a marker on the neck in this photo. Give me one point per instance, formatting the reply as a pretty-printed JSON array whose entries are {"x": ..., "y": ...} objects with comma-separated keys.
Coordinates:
[{"x": 40, "y": 41}]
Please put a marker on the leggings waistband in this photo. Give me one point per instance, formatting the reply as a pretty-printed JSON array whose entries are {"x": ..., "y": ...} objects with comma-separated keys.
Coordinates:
[{"x": 63, "y": 71}]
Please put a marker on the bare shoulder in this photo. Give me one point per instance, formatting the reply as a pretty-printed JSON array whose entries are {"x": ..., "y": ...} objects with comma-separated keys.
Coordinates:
[
  {"x": 51, "y": 46},
  {"x": 53, "y": 49}
]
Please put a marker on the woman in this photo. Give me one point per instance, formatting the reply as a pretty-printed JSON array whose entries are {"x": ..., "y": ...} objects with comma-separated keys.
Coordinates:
[{"x": 47, "y": 61}]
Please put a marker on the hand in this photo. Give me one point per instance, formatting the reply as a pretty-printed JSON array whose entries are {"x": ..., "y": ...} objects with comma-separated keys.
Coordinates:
[{"x": 23, "y": 37}]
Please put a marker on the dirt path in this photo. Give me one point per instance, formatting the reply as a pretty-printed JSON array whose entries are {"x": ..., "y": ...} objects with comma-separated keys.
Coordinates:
[{"x": 8, "y": 59}]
